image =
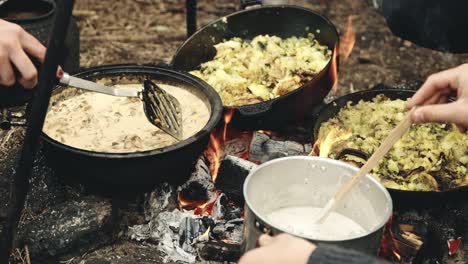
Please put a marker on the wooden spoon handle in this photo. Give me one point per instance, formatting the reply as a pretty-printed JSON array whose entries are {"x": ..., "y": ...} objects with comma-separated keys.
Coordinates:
[{"x": 386, "y": 145}]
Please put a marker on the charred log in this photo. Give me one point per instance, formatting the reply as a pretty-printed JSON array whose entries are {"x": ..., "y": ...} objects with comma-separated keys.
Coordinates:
[
  {"x": 219, "y": 251},
  {"x": 231, "y": 177},
  {"x": 199, "y": 188},
  {"x": 263, "y": 148}
]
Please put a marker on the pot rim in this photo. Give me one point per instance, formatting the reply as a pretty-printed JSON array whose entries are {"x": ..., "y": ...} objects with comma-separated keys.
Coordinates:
[
  {"x": 49, "y": 13},
  {"x": 212, "y": 96},
  {"x": 333, "y": 162},
  {"x": 265, "y": 7}
]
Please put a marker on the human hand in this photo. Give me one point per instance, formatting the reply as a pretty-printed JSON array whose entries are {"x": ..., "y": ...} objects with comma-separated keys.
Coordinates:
[
  {"x": 433, "y": 96},
  {"x": 15, "y": 42},
  {"x": 283, "y": 248}
]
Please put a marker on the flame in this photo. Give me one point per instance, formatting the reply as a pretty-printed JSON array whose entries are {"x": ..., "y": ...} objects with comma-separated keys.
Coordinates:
[
  {"x": 347, "y": 41},
  {"x": 334, "y": 71},
  {"x": 323, "y": 147},
  {"x": 207, "y": 208},
  {"x": 213, "y": 154},
  {"x": 227, "y": 119},
  {"x": 395, "y": 253},
  {"x": 266, "y": 132},
  {"x": 205, "y": 236}
]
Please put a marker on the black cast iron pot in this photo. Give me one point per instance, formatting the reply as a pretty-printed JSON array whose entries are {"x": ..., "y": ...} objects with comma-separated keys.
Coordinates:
[
  {"x": 433, "y": 24},
  {"x": 37, "y": 17},
  {"x": 280, "y": 20},
  {"x": 402, "y": 199},
  {"x": 138, "y": 171}
]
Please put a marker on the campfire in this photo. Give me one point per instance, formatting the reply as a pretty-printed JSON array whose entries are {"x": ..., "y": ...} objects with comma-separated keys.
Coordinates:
[{"x": 202, "y": 218}]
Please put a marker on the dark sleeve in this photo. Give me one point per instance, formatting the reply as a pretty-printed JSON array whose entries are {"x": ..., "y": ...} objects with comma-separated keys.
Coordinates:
[{"x": 326, "y": 254}]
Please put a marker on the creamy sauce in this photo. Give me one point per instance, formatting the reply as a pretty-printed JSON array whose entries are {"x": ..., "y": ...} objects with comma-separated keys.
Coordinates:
[
  {"x": 105, "y": 123},
  {"x": 300, "y": 221}
]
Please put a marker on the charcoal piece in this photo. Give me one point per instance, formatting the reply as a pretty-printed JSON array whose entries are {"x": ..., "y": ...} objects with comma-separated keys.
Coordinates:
[
  {"x": 231, "y": 177},
  {"x": 74, "y": 226},
  {"x": 199, "y": 187},
  {"x": 225, "y": 210},
  {"x": 219, "y": 251},
  {"x": 195, "y": 192},
  {"x": 263, "y": 148}
]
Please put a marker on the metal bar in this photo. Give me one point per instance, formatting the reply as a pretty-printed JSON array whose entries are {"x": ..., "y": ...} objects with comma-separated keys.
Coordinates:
[
  {"x": 47, "y": 80},
  {"x": 191, "y": 9}
]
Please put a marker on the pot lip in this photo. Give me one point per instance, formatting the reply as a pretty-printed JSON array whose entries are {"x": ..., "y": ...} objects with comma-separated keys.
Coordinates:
[
  {"x": 213, "y": 97},
  {"x": 34, "y": 19},
  {"x": 380, "y": 225},
  {"x": 266, "y": 7}
]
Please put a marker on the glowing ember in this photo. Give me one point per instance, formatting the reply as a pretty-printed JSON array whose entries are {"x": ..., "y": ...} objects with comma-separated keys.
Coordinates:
[
  {"x": 347, "y": 41},
  {"x": 323, "y": 147},
  {"x": 187, "y": 204},
  {"x": 454, "y": 245},
  {"x": 334, "y": 72},
  {"x": 206, "y": 208}
]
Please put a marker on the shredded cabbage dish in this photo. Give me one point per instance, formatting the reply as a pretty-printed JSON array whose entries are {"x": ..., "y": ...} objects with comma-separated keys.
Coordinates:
[
  {"x": 247, "y": 72},
  {"x": 429, "y": 157}
]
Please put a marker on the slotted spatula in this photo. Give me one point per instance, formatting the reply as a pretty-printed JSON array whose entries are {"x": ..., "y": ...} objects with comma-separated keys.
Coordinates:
[{"x": 162, "y": 109}]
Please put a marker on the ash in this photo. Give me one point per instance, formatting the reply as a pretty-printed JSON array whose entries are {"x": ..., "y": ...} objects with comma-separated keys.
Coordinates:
[{"x": 163, "y": 230}]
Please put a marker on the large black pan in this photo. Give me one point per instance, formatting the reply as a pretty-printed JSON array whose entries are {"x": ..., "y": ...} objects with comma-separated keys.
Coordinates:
[
  {"x": 137, "y": 171},
  {"x": 402, "y": 199},
  {"x": 283, "y": 21}
]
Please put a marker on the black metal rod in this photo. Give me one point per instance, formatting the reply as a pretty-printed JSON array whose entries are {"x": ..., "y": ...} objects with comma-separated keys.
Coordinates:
[
  {"x": 39, "y": 105},
  {"x": 191, "y": 9}
]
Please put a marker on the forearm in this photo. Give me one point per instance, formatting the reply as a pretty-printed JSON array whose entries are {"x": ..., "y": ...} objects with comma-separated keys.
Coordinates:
[{"x": 325, "y": 254}]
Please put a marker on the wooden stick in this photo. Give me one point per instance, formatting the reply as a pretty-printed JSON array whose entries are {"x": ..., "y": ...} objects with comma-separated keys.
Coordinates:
[{"x": 386, "y": 145}]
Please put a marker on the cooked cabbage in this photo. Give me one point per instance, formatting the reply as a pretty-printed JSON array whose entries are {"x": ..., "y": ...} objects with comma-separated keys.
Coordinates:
[
  {"x": 245, "y": 72},
  {"x": 430, "y": 157}
]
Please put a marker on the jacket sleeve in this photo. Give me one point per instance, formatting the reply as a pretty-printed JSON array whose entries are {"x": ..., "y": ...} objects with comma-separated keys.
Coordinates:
[{"x": 326, "y": 254}]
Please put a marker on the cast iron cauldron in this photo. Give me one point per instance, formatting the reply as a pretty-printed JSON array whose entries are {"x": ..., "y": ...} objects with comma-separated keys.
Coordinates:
[
  {"x": 311, "y": 181},
  {"x": 36, "y": 17},
  {"x": 433, "y": 24},
  {"x": 283, "y": 21},
  {"x": 137, "y": 171}
]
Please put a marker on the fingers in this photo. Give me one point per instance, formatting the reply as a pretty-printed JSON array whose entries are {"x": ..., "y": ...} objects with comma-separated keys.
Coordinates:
[
  {"x": 32, "y": 46},
  {"x": 265, "y": 240},
  {"x": 444, "y": 82},
  {"x": 442, "y": 113},
  {"x": 7, "y": 76},
  {"x": 24, "y": 65}
]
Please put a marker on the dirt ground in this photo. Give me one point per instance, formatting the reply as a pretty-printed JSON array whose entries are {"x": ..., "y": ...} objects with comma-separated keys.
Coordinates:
[{"x": 149, "y": 31}]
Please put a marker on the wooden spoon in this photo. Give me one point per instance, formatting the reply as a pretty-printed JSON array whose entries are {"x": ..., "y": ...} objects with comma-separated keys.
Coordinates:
[{"x": 386, "y": 145}]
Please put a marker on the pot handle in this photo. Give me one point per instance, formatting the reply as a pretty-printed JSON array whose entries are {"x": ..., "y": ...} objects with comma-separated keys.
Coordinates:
[
  {"x": 191, "y": 16},
  {"x": 250, "y": 3},
  {"x": 255, "y": 109},
  {"x": 262, "y": 228},
  {"x": 353, "y": 152}
]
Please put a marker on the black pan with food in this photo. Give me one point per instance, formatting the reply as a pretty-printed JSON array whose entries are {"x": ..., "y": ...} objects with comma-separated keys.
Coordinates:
[
  {"x": 282, "y": 21},
  {"x": 135, "y": 171},
  {"x": 403, "y": 199}
]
